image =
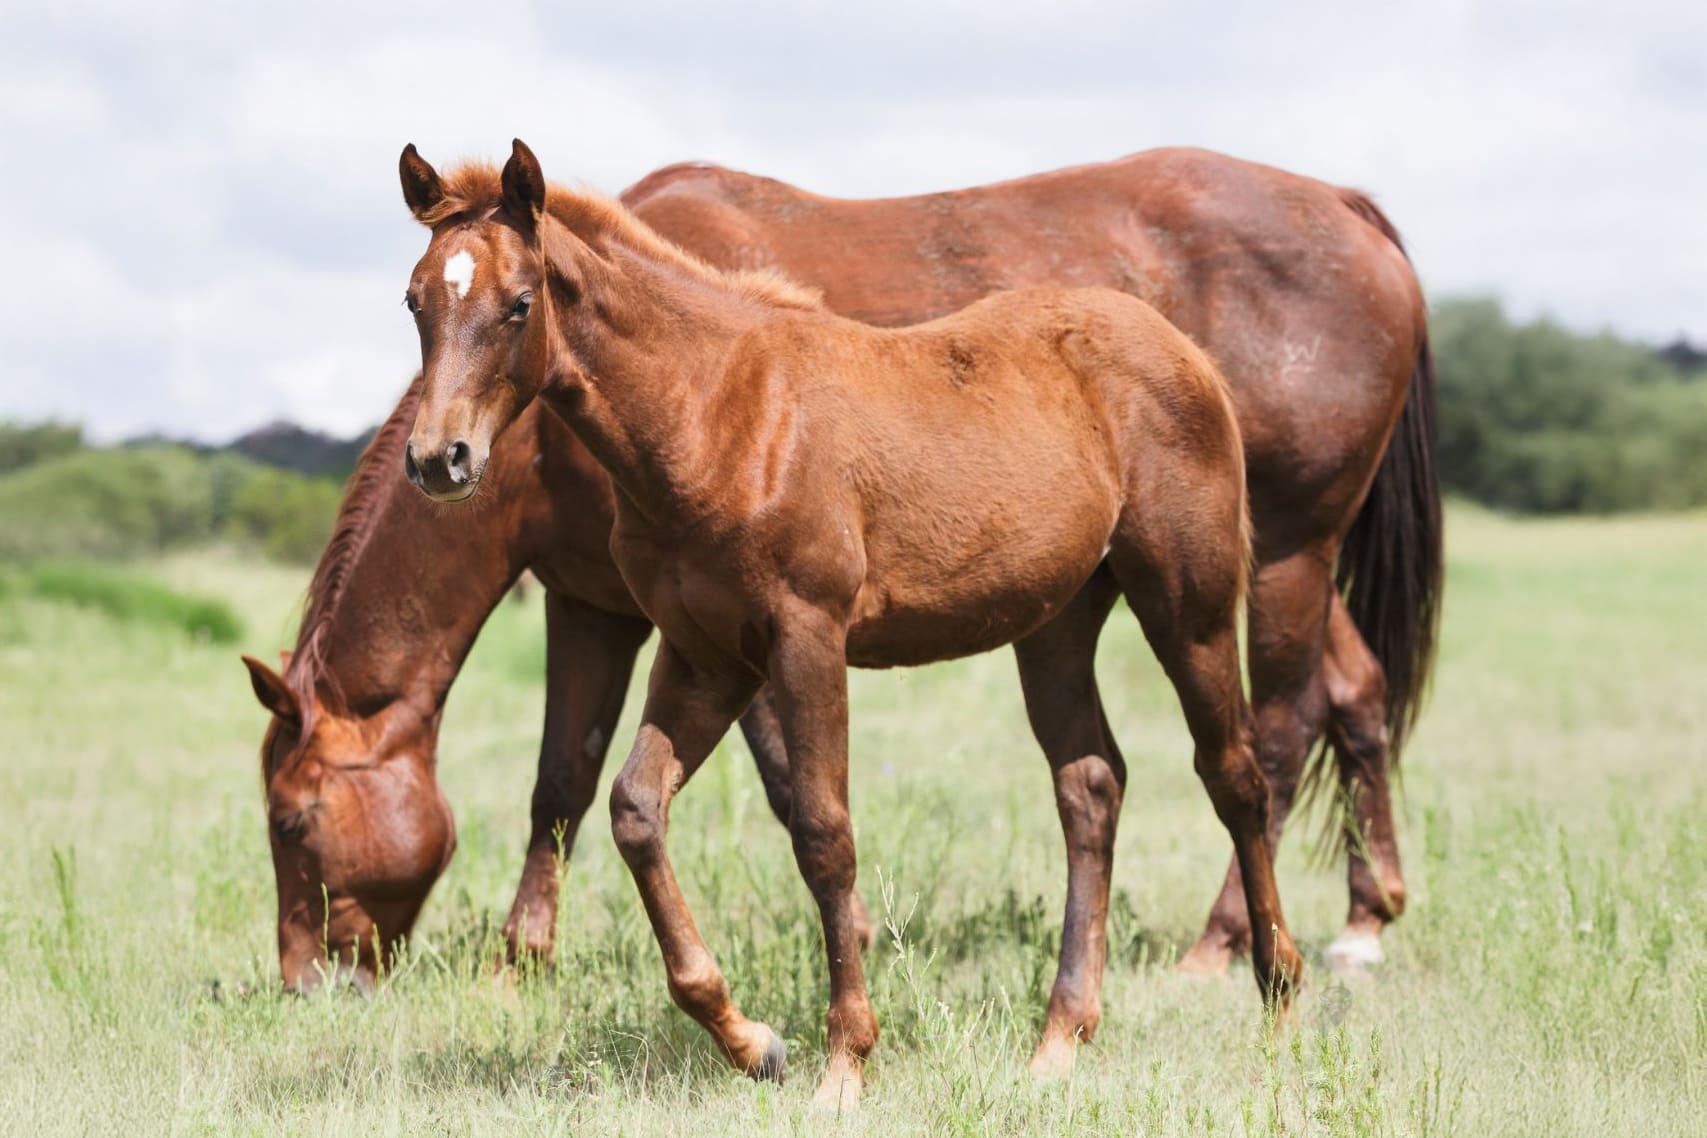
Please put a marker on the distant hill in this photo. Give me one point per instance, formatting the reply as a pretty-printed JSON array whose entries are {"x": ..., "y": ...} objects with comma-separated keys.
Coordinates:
[
  {"x": 290, "y": 447},
  {"x": 1685, "y": 357},
  {"x": 282, "y": 445}
]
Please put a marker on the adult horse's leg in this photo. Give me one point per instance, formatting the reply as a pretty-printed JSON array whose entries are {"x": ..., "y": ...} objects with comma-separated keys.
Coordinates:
[
  {"x": 1288, "y": 609},
  {"x": 687, "y": 712},
  {"x": 1357, "y": 727},
  {"x": 809, "y": 675},
  {"x": 763, "y": 731},
  {"x": 1057, "y": 672},
  {"x": 589, "y": 657},
  {"x": 1193, "y": 632}
]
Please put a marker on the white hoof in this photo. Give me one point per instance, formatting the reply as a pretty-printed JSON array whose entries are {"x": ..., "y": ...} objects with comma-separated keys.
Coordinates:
[{"x": 1353, "y": 953}]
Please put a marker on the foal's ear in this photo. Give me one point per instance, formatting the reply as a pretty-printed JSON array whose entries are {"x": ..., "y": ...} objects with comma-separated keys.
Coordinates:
[
  {"x": 422, "y": 189},
  {"x": 270, "y": 688},
  {"x": 524, "y": 184}
]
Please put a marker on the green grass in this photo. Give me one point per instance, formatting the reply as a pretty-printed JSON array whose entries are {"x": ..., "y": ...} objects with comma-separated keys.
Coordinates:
[
  {"x": 1550, "y": 978},
  {"x": 125, "y": 596}
]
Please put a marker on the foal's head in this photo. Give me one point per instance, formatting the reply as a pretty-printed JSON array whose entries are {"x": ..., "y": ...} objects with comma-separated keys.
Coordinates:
[
  {"x": 358, "y": 828},
  {"x": 479, "y": 297}
]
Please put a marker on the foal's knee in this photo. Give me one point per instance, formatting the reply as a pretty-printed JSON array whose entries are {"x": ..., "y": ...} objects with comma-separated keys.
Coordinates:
[
  {"x": 636, "y": 820},
  {"x": 823, "y": 847},
  {"x": 1087, "y": 794}
]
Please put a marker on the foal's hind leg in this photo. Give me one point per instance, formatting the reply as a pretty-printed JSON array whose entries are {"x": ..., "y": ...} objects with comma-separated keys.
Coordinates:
[
  {"x": 1288, "y": 621},
  {"x": 589, "y": 659},
  {"x": 1357, "y": 691},
  {"x": 1057, "y": 673},
  {"x": 1188, "y": 613},
  {"x": 762, "y": 729}
]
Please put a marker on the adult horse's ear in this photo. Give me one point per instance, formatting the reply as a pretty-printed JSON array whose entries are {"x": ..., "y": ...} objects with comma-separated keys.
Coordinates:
[
  {"x": 524, "y": 184},
  {"x": 422, "y": 189},
  {"x": 270, "y": 688}
]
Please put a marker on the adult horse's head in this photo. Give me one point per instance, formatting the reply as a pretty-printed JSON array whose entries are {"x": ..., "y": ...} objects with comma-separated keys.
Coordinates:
[
  {"x": 358, "y": 828},
  {"x": 478, "y": 296}
]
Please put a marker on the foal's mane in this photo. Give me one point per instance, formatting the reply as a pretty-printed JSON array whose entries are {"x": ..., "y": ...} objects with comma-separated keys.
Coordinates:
[
  {"x": 370, "y": 485},
  {"x": 475, "y": 188}
]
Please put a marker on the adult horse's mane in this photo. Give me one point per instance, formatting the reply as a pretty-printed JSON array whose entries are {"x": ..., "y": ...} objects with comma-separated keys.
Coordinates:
[
  {"x": 374, "y": 479},
  {"x": 475, "y": 188}
]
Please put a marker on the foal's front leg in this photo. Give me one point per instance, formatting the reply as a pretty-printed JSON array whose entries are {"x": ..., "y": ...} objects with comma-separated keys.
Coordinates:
[
  {"x": 687, "y": 712},
  {"x": 809, "y": 675},
  {"x": 763, "y": 731}
]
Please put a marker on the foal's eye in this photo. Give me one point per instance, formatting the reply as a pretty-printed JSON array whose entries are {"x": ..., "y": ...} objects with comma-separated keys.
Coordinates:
[
  {"x": 413, "y": 305},
  {"x": 519, "y": 310}
]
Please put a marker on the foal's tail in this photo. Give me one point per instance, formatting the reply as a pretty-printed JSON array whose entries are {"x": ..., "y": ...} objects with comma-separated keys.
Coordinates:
[{"x": 1392, "y": 561}]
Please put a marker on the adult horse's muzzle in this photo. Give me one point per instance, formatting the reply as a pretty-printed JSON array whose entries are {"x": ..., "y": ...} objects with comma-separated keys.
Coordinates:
[{"x": 444, "y": 471}]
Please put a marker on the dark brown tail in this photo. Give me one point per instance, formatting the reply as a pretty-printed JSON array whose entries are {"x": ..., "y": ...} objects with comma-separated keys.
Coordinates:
[{"x": 1392, "y": 562}]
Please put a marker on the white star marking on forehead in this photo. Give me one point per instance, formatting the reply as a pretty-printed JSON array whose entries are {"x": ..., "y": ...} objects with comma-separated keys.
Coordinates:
[{"x": 459, "y": 272}]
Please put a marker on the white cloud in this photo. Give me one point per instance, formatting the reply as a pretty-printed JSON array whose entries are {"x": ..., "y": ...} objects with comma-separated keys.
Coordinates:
[{"x": 208, "y": 231}]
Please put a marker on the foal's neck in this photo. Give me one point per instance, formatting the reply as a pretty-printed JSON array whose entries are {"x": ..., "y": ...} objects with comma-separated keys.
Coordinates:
[{"x": 650, "y": 342}]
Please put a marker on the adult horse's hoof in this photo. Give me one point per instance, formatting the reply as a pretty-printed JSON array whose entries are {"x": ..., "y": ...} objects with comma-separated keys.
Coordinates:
[
  {"x": 1355, "y": 953},
  {"x": 1208, "y": 958},
  {"x": 1053, "y": 1062},
  {"x": 838, "y": 1093},
  {"x": 773, "y": 1064},
  {"x": 863, "y": 928}
]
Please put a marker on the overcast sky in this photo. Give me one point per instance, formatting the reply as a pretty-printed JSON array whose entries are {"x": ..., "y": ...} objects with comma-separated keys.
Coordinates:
[{"x": 204, "y": 229}]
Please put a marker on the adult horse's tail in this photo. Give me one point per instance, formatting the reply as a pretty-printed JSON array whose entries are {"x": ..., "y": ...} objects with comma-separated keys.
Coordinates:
[{"x": 1392, "y": 562}]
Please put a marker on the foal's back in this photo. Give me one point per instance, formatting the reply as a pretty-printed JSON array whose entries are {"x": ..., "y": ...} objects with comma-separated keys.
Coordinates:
[{"x": 973, "y": 471}]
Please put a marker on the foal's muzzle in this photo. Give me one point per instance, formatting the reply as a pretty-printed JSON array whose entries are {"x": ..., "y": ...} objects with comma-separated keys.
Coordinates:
[{"x": 447, "y": 473}]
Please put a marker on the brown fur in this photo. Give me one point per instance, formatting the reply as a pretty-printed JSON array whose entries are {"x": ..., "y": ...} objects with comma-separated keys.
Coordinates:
[
  {"x": 474, "y": 190},
  {"x": 799, "y": 492},
  {"x": 349, "y": 759},
  {"x": 369, "y": 487},
  {"x": 1302, "y": 293},
  {"x": 886, "y": 262}
]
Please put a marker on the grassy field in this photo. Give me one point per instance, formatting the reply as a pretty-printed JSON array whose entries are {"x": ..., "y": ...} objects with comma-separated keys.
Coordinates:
[{"x": 1550, "y": 978}]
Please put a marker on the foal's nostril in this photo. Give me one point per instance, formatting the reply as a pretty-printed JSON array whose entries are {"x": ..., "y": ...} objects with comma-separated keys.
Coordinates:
[
  {"x": 457, "y": 459},
  {"x": 410, "y": 470}
]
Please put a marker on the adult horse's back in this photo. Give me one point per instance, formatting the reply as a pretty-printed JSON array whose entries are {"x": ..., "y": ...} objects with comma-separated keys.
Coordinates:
[{"x": 1303, "y": 294}]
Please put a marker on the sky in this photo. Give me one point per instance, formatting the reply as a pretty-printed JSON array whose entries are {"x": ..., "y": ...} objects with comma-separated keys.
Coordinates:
[{"x": 206, "y": 233}]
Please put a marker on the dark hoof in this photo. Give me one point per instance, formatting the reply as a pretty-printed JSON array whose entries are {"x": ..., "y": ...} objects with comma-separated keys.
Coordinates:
[{"x": 774, "y": 1065}]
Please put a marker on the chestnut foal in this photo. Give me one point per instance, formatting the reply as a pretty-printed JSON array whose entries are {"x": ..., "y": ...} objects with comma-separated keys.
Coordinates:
[{"x": 798, "y": 492}]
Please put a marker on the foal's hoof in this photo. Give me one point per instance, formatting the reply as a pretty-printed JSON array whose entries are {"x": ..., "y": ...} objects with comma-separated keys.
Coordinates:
[
  {"x": 773, "y": 1064},
  {"x": 1355, "y": 953}
]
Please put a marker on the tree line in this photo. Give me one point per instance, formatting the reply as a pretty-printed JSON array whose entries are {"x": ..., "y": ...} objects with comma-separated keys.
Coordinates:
[{"x": 1535, "y": 418}]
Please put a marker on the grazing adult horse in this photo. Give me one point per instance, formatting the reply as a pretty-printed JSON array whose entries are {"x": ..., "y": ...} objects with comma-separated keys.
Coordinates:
[
  {"x": 797, "y": 492},
  {"x": 358, "y": 828}
]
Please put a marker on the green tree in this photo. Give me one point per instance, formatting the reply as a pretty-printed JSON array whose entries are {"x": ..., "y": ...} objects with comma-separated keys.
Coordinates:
[
  {"x": 1538, "y": 418},
  {"x": 24, "y": 445}
]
